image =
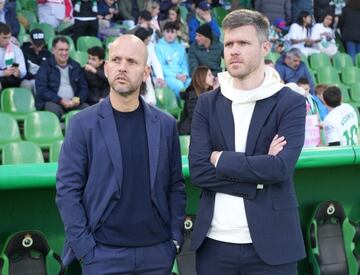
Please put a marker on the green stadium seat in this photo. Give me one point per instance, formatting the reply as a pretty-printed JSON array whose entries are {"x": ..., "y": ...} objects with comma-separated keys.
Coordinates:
[
  {"x": 68, "y": 117},
  {"x": 350, "y": 75},
  {"x": 80, "y": 57},
  {"x": 85, "y": 42},
  {"x": 21, "y": 35},
  {"x": 9, "y": 130},
  {"x": 71, "y": 42},
  {"x": 17, "y": 101},
  {"x": 48, "y": 30},
  {"x": 355, "y": 93},
  {"x": 109, "y": 40},
  {"x": 319, "y": 60},
  {"x": 357, "y": 60},
  {"x": 327, "y": 75},
  {"x": 54, "y": 151},
  {"x": 219, "y": 14},
  {"x": 183, "y": 12},
  {"x": 29, "y": 15},
  {"x": 273, "y": 56},
  {"x": 42, "y": 128},
  {"x": 63, "y": 25},
  {"x": 166, "y": 100},
  {"x": 184, "y": 145},
  {"x": 341, "y": 61},
  {"x": 21, "y": 152}
]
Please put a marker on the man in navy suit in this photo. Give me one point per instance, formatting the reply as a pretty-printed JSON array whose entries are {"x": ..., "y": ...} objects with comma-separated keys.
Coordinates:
[
  {"x": 120, "y": 190},
  {"x": 246, "y": 137}
]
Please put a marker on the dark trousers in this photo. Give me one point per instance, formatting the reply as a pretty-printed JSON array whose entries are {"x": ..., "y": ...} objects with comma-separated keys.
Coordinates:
[
  {"x": 60, "y": 110},
  {"x": 149, "y": 260},
  {"x": 216, "y": 258},
  {"x": 9, "y": 81},
  {"x": 82, "y": 28}
]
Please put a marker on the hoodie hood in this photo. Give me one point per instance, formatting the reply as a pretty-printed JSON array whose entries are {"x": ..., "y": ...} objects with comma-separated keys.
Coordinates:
[{"x": 271, "y": 85}]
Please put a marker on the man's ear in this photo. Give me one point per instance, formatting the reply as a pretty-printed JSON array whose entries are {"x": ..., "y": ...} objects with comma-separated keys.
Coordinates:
[
  {"x": 266, "y": 47},
  {"x": 106, "y": 68},
  {"x": 147, "y": 72}
]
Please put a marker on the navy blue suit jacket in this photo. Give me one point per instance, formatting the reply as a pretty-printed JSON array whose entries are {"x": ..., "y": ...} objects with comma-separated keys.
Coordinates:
[
  {"x": 272, "y": 211},
  {"x": 89, "y": 176}
]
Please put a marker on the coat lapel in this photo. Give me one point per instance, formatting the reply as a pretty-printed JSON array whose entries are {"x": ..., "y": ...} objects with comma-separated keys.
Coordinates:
[
  {"x": 226, "y": 121},
  {"x": 153, "y": 137},
  {"x": 261, "y": 112},
  {"x": 110, "y": 134}
]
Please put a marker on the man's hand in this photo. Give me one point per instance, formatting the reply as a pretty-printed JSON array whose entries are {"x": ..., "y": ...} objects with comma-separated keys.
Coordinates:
[
  {"x": 214, "y": 157},
  {"x": 9, "y": 71},
  {"x": 160, "y": 82},
  {"x": 67, "y": 104},
  {"x": 181, "y": 77},
  {"x": 206, "y": 15},
  {"x": 90, "y": 68},
  {"x": 16, "y": 72},
  {"x": 277, "y": 145}
]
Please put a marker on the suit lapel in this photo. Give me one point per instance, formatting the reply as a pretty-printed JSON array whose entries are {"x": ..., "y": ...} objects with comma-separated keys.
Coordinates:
[
  {"x": 153, "y": 132},
  {"x": 111, "y": 137},
  {"x": 261, "y": 112},
  {"x": 226, "y": 121}
]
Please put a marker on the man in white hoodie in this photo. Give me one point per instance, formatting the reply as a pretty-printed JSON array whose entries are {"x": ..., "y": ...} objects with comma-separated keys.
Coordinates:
[{"x": 246, "y": 137}]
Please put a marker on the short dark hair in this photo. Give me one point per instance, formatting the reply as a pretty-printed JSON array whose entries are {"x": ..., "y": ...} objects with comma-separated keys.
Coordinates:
[
  {"x": 97, "y": 51},
  {"x": 60, "y": 39},
  {"x": 303, "y": 81},
  {"x": 170, "y": 26},
  {"x": 332, "y": 96},
  {"x": 268, "y": 61},
  {"x": 4, "y": 28}
]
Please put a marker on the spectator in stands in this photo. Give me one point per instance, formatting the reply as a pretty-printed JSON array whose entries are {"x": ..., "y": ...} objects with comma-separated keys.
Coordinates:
[
  {"x": 165, "y": 6},
  {"x": 319, "y": 99},
  {"x": 324, "y": 36},
  {"x": 60, "y": 82},
  {"x": 349, "y": 23},
  {"x": 173, "y": 59},
  {"x": 94, "y": 73},
  {"x": 144, "y": 21},
  {"x": 297, "y": 6},
  {"x": 183, "y": 30},
  {"x": 322, "y": 7},
  {"x": 202, "y": 15},
  {"x": 205, "y": 51},
  {"x": 54, "y": 12},
  {"x": 154, "y": 9},
  {"x": 273, "y": 9},
  {"x": 8, "y": 16},
  {"x": 202, "y": 81},
  {"x": 86, "y": 22},
  {"x": 35, "y": 53},
  {"x": 107, "y": 14},
  {"x": 300, "y": 34},
  {"x": 277, "y": 35},
  {"x": 341, "y": 124},
  {"x": 292, "y": 69},
  {"x": 129, "y": 10},
  {"x": 156, "y": 78},
  {"x": 12, "y": 62}
]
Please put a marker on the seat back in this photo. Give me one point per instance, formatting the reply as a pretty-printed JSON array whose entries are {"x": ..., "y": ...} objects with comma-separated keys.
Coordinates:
[
  {"x": 341, "y": 61},
  {"x": 21, "y": 152},
  {"x": 327, "y": 75},
  {"x": 350, "y": 75},
  {"x": 184, "y": 144},
  {"x": 355, "y": 92},
  {"x": 85, "y": 42},
  {"x": 42, "y": 128},
  {"x": 273, "y": 56},
  {"x": 68, "y": 117},
  {"x": 54, "y": 151},
  {"x": 219, "y": 14},
  {"x": 17, "y": 101},
  {"x": 357, "y": 60},
  {"x": 166, "y": 99},
  {"x": 80, "y": 57},
  {"x": 9, "y": 130},
  {"x": 319, "y": 60}
]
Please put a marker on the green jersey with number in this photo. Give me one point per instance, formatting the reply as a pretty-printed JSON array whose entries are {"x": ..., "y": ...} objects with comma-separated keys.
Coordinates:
[{"x": 341, "y": 125}]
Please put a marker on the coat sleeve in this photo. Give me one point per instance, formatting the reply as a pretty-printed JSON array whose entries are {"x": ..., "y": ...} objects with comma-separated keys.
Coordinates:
[
  {"x": 42, "y": 88},
  {"x": 71, "y": 179},
  {"x": 266, "y": 169},
  {"x": 193, "y": 61}
]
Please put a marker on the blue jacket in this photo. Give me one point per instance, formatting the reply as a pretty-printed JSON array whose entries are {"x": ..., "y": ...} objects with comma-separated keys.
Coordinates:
[
  {"x": 172, "y": 57},
  {"x": 288, "y": 74},
  {"x": 11, "y": 18},
  {"x": 89, "y": 176},
  {"x": 47, "y": 82},
  {"x": 194, "y": 23},
  {"x": 272, "y": 212}
]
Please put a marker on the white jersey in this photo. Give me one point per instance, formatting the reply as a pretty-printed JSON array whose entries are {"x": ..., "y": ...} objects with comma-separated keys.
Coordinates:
[{"x": 341, "y": 125}]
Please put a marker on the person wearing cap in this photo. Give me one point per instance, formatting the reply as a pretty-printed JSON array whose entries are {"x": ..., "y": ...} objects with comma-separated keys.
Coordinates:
[
  {"x": 173, "y": 60},
  {"x": 205, "y": 51},
  {"x": 156, "y": 78},
  {"x": 273, "y": 9},
  {"x": 60, "y": 82},
  {"x": 276, "y": 35},
  {"x": 202, "y": 15},
  {"x": 35, "y": 53},
  {"x": 12, "y": 62}
]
